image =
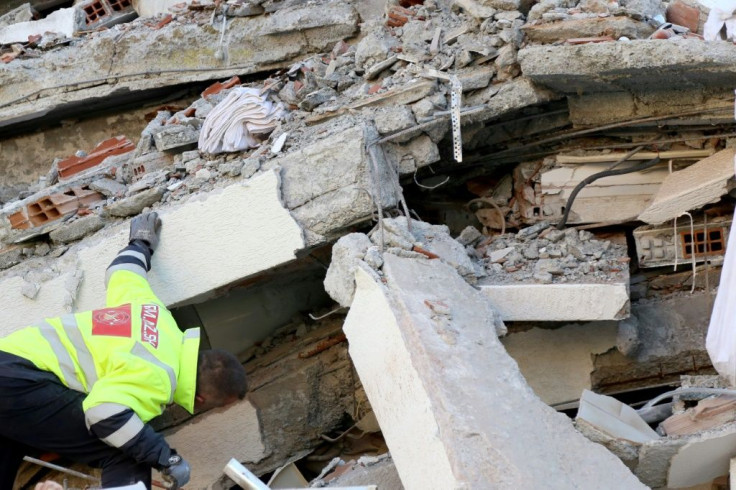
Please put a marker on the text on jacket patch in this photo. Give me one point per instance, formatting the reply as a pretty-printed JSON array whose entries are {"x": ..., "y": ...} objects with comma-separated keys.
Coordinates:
[{"x": 149, "y": 325}]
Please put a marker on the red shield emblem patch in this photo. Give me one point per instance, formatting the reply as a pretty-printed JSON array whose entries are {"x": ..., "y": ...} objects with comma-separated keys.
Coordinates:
[{"x": 113, "y": 322}]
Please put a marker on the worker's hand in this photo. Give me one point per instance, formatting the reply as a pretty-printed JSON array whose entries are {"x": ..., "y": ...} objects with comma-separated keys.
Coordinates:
[
  {"x": 177, "y": 473},
  {"x": 146, "y": 227}
]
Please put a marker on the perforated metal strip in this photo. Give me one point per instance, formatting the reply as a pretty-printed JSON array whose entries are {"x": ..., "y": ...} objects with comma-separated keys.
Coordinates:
[{"x": 456, "y": 94}]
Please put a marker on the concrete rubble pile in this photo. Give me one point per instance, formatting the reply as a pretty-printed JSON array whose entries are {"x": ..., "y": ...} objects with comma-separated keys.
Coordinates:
[
  {"x": 306, "y": 137},
  {"x": 546, "y": 255}
]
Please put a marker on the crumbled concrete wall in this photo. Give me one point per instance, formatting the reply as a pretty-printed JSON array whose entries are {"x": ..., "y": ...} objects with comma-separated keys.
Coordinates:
[{"x": 431, "y": 330}]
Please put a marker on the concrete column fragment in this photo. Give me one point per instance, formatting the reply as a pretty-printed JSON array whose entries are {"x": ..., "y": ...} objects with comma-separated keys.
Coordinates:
[{"x": 452, "y": 405}]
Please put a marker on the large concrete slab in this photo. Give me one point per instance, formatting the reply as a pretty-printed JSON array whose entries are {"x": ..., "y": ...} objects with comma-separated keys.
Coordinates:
[
  {"x": 635, "y": 66},
  {"x": 206, "y": 243},
  {"x": 559, "y": 302},
  {"x": 117, "y": 65},
  {"x": 455, "y": 410},
  {"x": 210, "y": 440}
]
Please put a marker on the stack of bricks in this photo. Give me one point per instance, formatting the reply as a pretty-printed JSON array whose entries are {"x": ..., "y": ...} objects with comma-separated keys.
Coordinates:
[{"x": 53, "y": 207}]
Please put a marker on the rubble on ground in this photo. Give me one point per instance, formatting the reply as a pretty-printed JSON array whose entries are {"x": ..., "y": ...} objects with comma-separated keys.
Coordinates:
[{"x": 325, "y": 128}]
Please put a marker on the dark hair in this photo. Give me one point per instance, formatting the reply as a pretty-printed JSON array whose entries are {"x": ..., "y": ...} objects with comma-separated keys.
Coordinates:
[{"x": 220, "y": 376}]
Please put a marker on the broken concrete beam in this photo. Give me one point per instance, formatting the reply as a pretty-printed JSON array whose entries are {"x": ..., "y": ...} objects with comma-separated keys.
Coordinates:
[
  {"x": 63, "y": 22},
  {"x": 636, "y": 66},
  {"x": 255, "y": 45},
  {"x": 592, "y": 109},
  {"x": 325, "y": 183},
  {"x": 236, "y": 238},
  {"x": 442, "y": 420},
  {"x": 593, "y": 27},
  {"x": 231, "y": 433},
  {"x": 692, "y": 188},
  {"x": 559, "y": 302}
]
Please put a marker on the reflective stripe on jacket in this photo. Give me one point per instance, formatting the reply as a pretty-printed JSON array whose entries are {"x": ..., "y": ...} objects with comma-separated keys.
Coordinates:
[{"x": 127, "y": 356}]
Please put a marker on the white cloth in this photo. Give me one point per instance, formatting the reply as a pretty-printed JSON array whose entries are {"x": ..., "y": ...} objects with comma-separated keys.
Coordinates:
[
  {"x": 721, "y": 339},
  {"x": 721, "y": 13},
  {"x": 232, "y": 124}
]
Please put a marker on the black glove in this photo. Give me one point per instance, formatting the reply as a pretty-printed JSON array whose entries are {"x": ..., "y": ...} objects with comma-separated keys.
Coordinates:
[
  {"x": 146, "y": 227},
  {"x": 177, "y": 472}
]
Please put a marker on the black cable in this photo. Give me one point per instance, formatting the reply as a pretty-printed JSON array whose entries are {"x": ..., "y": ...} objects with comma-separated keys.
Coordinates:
[{"x": 594, "y": 177}]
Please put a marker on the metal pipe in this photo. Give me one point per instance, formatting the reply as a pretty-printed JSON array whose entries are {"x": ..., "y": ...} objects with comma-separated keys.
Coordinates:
[{"x": 60, "y": 468}]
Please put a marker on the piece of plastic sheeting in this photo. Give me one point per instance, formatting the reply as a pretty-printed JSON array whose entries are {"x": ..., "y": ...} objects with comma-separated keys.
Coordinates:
[{"x": 721, "y": 339}]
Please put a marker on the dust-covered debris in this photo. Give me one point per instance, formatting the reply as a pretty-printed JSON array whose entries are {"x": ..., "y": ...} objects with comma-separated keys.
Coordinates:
[{"x": 546, "y": 255}]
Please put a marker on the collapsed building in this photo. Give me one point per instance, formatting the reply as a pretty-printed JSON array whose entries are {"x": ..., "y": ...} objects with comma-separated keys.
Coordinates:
[{"x": 425, "y": 227}]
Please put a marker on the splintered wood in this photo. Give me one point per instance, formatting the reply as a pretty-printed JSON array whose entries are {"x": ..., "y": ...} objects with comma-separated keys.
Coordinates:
[{"x": 709, "y": 413}]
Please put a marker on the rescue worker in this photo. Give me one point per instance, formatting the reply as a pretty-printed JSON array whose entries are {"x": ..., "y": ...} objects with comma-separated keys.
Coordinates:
[{"x": 85, "y": 385}]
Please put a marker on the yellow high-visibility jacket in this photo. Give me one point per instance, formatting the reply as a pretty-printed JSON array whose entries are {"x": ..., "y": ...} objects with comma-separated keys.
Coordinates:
[{"x": 128, "y": 356}]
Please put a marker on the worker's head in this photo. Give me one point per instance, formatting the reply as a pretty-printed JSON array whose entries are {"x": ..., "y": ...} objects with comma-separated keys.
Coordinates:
[{"x": 220, "y": 379}]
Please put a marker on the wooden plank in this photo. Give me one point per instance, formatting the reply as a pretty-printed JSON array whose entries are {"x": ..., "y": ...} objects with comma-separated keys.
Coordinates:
[
  {"x": 709, "y": 413},
  {"x": 642, "y": 155}
]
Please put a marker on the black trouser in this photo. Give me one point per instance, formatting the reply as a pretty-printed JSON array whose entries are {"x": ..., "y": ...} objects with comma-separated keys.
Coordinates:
[{"x": 37, "y": 411}]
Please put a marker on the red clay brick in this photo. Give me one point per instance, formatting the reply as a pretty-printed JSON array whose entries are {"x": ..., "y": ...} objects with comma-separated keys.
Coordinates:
[
  {"x": 684, "y": 15},
  {"x": 113, "y": 146},
  {"x": 218, "y": 87},
  {"x": 53, "y": 207}
]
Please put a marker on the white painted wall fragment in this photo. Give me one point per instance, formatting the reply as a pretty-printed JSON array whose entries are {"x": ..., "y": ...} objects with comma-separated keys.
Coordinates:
[
  {"x": 149, "y": 8},
  {"x": 211, "y": 440},
  {"x": 63, "y": 22},
  {"x": 453, "y": 407},
  {"x": 608, "y": 199},
  {"x": 559, "y": 302},
  {"x": 206, "y": 243}
]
